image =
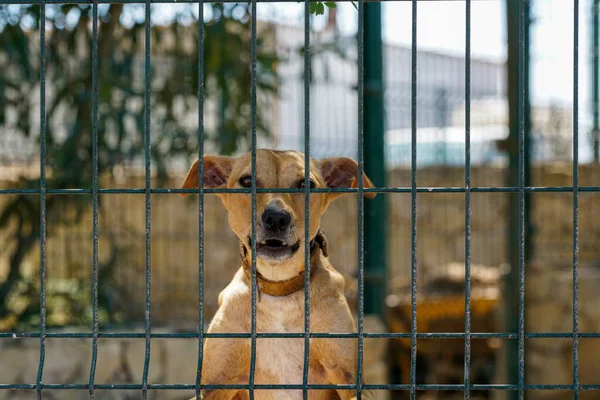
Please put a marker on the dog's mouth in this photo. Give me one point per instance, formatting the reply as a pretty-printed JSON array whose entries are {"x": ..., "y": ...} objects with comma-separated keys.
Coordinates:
[{"x": 275, "y": 249}]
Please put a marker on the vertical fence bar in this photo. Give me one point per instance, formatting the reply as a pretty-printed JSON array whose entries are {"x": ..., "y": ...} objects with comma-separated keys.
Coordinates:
[
  {"x": 528, "y": 243},
  {"x": 517, "y": 14},
  {"x": 147, "y": 146},
  {"x": 253, "y": 190},
  {"x": 596, "y": 81},
  {"x": 576, "y": 200},
  {"x": 375, "y": 164},
  {"x": 307, "y": 265},
  {"x": 94, "y": 198},
  {"x": 38, "y": 384},
  {"x": 413, "y": 233},
  {"x": 522, "y": 104},
  {"x": 200, "y": 195},
  {"x": 361, "y": 200},
  {"x": 467, "y": 377}
]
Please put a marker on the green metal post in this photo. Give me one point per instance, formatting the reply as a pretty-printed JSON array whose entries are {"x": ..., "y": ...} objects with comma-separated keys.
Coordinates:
[
  {"x": 595, "y": 82},
  {"x": 375, "y": 210},
  {"x": 222, "y": 78},
  {"x": 512, "y": 290}
]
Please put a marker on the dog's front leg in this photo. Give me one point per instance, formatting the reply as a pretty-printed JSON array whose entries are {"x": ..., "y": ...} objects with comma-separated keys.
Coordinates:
[
  {"x": 339, "y": 359},
  {"x": 225, "y": 362}
]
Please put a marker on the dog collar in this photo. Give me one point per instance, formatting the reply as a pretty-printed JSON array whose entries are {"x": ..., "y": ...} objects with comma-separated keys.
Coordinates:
[{"x": 289, "y": 286}]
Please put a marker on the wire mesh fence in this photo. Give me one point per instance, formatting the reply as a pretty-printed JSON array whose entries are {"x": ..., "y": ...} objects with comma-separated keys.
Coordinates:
[{"x": 441, "y": 110}]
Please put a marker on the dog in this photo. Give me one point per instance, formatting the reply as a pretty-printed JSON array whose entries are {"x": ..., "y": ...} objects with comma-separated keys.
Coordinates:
[{"x": 280, "y": 237}]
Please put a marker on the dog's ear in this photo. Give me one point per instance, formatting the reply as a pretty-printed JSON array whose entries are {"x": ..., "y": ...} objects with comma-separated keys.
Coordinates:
[
  {"x": 342, "y": 172},
  {"x": 216, "y": 173}
]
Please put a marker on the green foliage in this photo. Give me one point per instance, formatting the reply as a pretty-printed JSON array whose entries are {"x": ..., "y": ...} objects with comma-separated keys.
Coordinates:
[
  {"x": 121, "y": 112},
  {"x": 318, "y": 7}
]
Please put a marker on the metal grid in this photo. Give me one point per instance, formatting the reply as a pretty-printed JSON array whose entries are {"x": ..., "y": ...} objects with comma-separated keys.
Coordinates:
[{"x": 414, "y": 189}]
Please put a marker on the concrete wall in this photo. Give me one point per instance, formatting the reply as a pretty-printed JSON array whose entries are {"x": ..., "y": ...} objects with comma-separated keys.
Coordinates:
[{"x": 121, "y": 361}]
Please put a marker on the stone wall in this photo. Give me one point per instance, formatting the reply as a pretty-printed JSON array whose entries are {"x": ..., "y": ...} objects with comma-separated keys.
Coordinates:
[
  {"x": 549, "y": 300},
  {"x": 121, "y": 361},
  {"x": 440, "y": 236},
  {"x": 174, "y": 243}
]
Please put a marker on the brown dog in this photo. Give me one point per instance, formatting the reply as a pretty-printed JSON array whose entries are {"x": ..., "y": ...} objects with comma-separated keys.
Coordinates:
[{"x": 280, "y": 272}]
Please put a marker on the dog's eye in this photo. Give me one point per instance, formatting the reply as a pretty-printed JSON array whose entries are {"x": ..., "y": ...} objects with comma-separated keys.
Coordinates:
[
  {"x": 302, "y": 184},
  {"x": 245, "y": 181}
]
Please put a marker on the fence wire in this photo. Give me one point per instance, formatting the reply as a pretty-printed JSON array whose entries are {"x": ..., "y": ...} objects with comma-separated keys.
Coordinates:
[{"x": 414, "y": 189}]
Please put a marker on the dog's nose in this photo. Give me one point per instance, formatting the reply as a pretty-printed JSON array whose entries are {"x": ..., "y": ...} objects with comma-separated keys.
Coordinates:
[{"x": 276, "y": 219}]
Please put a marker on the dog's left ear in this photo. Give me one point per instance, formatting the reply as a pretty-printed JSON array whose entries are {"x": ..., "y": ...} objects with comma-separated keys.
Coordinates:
[
  {"x": 342, "y": 172},
  {"x": 216, "y": 173}
]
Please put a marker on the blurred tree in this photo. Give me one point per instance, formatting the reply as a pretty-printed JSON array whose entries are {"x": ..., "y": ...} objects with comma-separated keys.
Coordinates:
[{"x": 121, "y": 119}]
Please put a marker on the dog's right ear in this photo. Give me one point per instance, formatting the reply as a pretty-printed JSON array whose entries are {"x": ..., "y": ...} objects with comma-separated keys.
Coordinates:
[{"x": 216, "y": 173}]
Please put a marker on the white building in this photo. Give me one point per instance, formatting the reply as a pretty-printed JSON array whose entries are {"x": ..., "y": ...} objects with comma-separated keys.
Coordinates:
[{"x": 333, "y": 95}]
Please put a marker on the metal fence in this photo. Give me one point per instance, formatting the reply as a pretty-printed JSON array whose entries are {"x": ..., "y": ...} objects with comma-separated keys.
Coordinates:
[
  {"x": 521, "y": 189},
  {"x": 334, "y": 133}
]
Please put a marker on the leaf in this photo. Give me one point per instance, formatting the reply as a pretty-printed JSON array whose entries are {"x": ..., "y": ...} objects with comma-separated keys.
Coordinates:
[
  {"x": 330, "y": 4},
  {"x": 320, "y": 8},
  {"x": 354, "y": 4},
  {"x": 312, "y": 8}
]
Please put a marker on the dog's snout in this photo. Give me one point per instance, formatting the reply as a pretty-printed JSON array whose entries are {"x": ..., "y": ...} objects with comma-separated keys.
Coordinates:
[{"x": 275, "y": 219}]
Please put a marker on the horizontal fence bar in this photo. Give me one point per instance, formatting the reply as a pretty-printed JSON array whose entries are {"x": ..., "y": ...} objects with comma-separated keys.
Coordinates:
[
  {"x": 174, "y": 386},
  {"x": 373, "y": 335},
  {"x": 452, "y": 189}
]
